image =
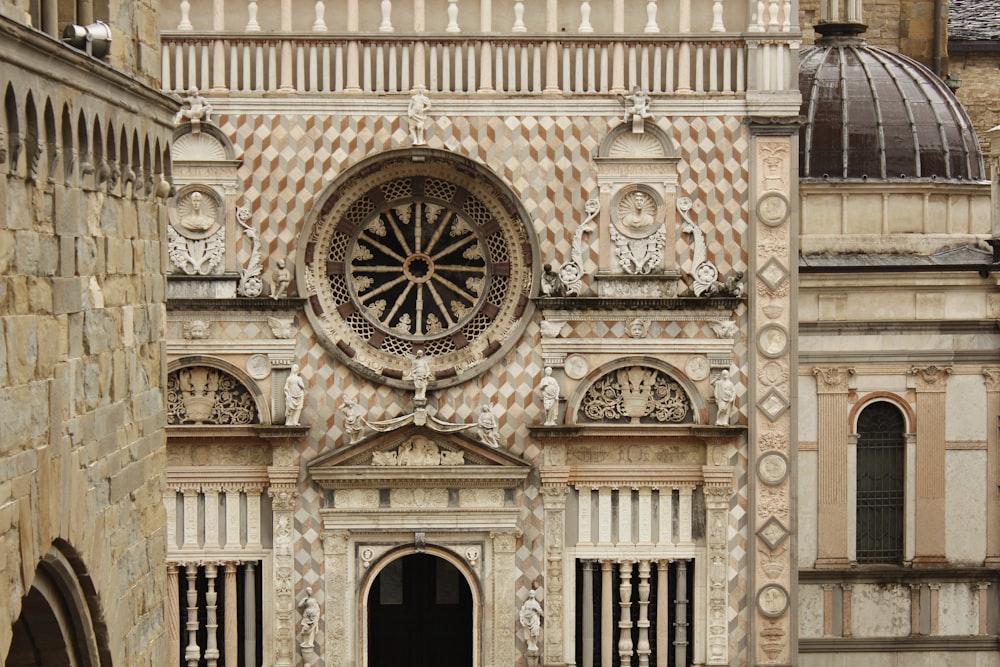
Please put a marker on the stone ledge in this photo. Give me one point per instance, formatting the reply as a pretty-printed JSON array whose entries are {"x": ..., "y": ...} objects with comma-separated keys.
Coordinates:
[{"x": 897, "y": 644}]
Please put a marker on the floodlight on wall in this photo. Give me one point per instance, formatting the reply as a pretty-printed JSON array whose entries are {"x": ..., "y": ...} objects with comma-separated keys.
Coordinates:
[{"x": 94, "y": 39}]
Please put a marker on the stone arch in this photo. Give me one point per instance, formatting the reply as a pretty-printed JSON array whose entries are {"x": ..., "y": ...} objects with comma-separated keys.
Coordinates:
[
  {"x": 909, "y": 417},
  {"x": 240, "y": 376},
  {"x": 459, "y": 563},
  {"x": 13, "y": 125},
  {"x": 209, "y": 144},
  {"x": 651, "y": 144},
  {"x": 698, "y": 407},
  {"x": 60, "y": 622}
]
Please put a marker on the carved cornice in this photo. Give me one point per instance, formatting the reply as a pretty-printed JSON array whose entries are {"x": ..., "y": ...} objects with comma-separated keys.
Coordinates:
[
  {"x": 653, "y": 476},
  {"x": 833, "y": 380},
  {"x": 242, "y": 304},
  {"x": 643, "y": 304},
  {"x": 930, "y": 378},
  {"x": 219, "y": 477}
]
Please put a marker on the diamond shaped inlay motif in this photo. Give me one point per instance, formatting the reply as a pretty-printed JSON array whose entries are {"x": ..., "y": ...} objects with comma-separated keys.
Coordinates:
[
  {"x": 773, "y": 532},
  {"x": 773, "y": 273},
  {"x": 773, "y": 404}
]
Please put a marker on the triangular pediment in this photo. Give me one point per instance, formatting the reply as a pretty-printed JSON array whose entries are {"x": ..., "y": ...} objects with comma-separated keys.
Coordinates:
[{"x": 418, "y": 456}]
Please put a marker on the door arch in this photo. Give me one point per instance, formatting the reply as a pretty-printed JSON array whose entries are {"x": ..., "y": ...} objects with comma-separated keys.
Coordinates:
[{"x": 421, "y": 608}]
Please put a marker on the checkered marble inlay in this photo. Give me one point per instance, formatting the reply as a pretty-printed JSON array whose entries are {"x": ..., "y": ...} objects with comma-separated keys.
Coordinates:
[{"x": 289, "y": 160}]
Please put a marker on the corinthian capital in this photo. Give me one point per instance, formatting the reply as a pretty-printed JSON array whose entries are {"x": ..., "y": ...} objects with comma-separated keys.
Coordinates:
[
  {"x": 832, "y": 379},
  {"x": 931, "y": 378}
]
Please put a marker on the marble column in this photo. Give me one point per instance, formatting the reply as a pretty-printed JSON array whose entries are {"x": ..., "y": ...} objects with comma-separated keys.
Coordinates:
[
  {"x": 211, "y": 616},
  {"x": 250, "y": 614},
  {"x": 192, "y": 653},
  {"x": 586, "y": 612},
  {"x": 173, "y": 616},
  {"x": 230, "y": 631}
]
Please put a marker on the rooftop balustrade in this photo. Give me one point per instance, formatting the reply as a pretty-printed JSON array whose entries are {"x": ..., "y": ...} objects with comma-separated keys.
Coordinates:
[{"x": 481, "y": 47}]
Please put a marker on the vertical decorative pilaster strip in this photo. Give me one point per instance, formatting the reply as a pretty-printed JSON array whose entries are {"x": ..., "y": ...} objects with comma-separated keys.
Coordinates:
[
  {"x": 847, "y": 601},
  {"x": 625, "y": 516},
  {"x": 190, "y": 540},
  {"x": 170, "y": 505},
  {"x": 230, "y": 632},
  {"x": 717, "y": 519},
  {"x": 684, "y": 516},
  {"x": 604, "y": 516},
  {"x": 584, "y": 514},
  {"x": 992, "y": 378},
  {"x": 505, "y": 610},
  {"x": 586, "y": 613},
  {"x": 253, "y": 518},
  {"x": 772, "y": 238},
  {"x": 339, "y": 598},
  {"x": 192, "y": 653},
  {"x": 232, "y": 495},
  {"x": 983, "y": 609},
  {"x": 662, "y": 612},
  {"x": 935, "y": 608},
  {"x": 554, "y": 505},
  {"x": 915, "y": 609},
  {"x": 930, "y": 384},
  {"x": 212, "y": 536},
  {"x": 642, "y": 646},
  {"x": 173, "y": 616},
  {"x": 833, "y": 429},
  {"x": 211, "y": 616},
  {"x": 283, "y": 493},
  {"x": 624, "y": 615},
  {"x": 827, "y": 610}
]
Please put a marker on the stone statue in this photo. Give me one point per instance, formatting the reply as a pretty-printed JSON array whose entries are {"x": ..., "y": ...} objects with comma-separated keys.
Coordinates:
[
  {"x": 280, "y": 277},
  {"x": 354, "y": 419},
  {"x": 417, "y": 113},
  {"x": 530, "y": 617},
  {"x": 636, "y": 108},
  {"x": 196, "y": 108},
  {"x": 420, "y": 373},
  {"x": 552, "y": 284},
  {"x": 488, "y": 429},
  {"x": 725, "y": 399},
  {"x": 638, "y": 212},
  {"x": 295, "y": 396},
  {"x": 310, "y": 619},
  {"x": 548, "y": 387}
]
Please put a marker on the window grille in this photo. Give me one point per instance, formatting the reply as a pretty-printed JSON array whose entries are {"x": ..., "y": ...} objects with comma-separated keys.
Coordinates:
[{"x": 880, "y": 493}]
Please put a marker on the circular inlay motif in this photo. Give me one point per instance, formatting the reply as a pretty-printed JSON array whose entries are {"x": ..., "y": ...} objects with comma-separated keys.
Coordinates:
[
  {"x": 772, "y": 600},
  {"x": 772, "y": 468},
  {"x": 430, "y": 254},
  {"x": 258, "y": 366},
  {"x": 697, "y": 368},
  {"x": 772, "y": 340},
  {"x": 576, "y": 366},
  {"x": 772, "y": 208}
]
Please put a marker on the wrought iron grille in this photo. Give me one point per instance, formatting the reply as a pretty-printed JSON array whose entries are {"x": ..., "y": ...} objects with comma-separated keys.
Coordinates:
[{"x": 881, "y": 457}]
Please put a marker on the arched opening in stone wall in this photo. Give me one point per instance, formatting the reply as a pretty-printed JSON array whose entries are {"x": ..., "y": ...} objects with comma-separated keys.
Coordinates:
[
  {"x": 420, "y": 613},
  {"x": 59, "y": 624}
]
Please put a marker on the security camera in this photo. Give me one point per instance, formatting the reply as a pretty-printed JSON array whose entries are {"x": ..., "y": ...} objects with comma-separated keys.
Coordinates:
[{"x": 94, "y": 39}]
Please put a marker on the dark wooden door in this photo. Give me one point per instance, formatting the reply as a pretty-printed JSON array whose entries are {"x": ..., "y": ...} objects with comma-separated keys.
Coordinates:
[{"x": 420, "y": 615}]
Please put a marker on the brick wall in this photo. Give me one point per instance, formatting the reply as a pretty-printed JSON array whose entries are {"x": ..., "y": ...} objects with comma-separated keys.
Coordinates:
[{"x": 980, "y": 75}]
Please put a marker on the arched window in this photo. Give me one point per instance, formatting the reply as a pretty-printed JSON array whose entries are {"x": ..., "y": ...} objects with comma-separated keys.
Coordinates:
[{"x": 881, "y": 457}]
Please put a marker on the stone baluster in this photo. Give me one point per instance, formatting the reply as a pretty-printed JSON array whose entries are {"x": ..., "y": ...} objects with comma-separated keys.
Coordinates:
[
  {"x": 680, "y": 615},
  {"x": 651, "y": 25},
  {"x": 386, "y": 24},
  {"x": 211, "y": 617},
  {"x": 585, "y": 26},
  {"x": 230, "y": 633},
  {"x": 773, "y": 12},
  {"x": 587, "y": 614},
  {"x": 519, "y": 18},
  {"x": 662, "y": 611},
  {"x": 607, "y": 613},
  {"x": 252, "y": 25},
  {"x": 185, "y": 22},
  {"x": 717, "y": 23},
  {"x": 319, "y": 25},
  {"x": 757, "y": 18},
  {"x": 173, "y": 616},
  {"x": 625, "y": 613},
  {"x": 642, "y": 647},
  {"x": 452, "y": 12},
  {"x": 192, "y": 653}
]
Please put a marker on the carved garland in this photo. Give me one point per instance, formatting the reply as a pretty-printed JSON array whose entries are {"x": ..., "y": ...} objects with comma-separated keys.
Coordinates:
[
  {"x": 637, "y": 394},
  {"x": 203, "y": 395}
]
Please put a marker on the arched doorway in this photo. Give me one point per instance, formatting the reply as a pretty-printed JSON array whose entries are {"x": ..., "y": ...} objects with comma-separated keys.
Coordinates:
[
  {"x": 56, "y": 626},
  {"x": 420, "y": 613}
]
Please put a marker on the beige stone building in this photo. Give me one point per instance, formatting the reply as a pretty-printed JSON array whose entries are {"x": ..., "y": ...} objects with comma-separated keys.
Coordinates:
[{"x": 84, "y": 169}]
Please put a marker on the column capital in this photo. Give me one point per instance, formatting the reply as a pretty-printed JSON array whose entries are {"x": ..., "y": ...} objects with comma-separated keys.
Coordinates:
[
  {"x": 992, "y": 379},
  {"x": 833, "y": 379},
  {"x": 335, "y": 542},
  {"x": 505, "y": 540},
  {"x": 930, "y": 378}
]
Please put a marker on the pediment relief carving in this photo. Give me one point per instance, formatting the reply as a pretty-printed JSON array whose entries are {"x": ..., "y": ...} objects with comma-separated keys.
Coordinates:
[{"x": 418, "y": 456}]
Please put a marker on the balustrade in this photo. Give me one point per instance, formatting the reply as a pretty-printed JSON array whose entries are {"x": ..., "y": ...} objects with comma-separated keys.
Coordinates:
[{"x": 479, "y": 46}]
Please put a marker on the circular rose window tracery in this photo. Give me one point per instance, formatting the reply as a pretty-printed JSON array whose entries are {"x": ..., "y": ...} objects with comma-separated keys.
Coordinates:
[{"x": 426, "y": 254}]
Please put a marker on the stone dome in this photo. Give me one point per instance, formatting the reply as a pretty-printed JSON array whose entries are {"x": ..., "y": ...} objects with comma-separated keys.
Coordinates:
[{"x": 873, "y": 114}]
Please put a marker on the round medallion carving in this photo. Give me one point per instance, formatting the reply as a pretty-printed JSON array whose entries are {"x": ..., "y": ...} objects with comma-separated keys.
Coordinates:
[
  {"x": 772, "y": 208},
  {"x": 772, "y": 600},
  {"x": 697, "y": 368},
  {"x": 772, "y": 468},
  {"x": 196, "y": 213},
  {"x": 576, "y": 366},
  {"x": 418, "y": 250},
  {"x": 258, "y": 366},
  {"x": 772, "y": 340},
  {"x": 634, "y": 212}
]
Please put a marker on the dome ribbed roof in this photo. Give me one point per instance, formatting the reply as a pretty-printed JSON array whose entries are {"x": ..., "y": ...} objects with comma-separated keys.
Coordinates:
[{"x": 874, "y": 114}]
